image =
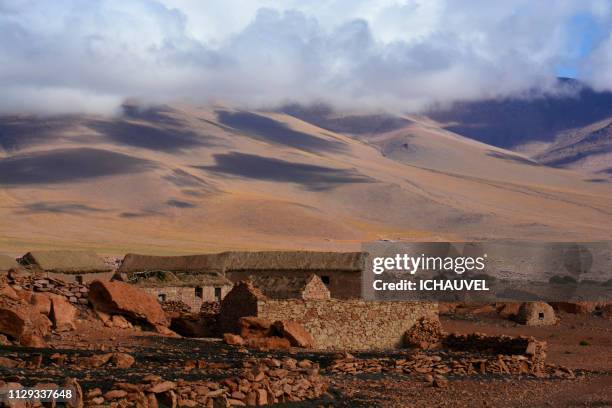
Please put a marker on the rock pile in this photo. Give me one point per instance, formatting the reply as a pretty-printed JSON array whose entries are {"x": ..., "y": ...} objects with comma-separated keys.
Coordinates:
[
  {"x": 259, "y": 333},
  {"x": 26, "y": 317},
  {"x": 175, "y": 307},
  {"x": 431, "y": 367},
  {"x": 425, "y": 334},
  {"x": 261, "y": 382}
]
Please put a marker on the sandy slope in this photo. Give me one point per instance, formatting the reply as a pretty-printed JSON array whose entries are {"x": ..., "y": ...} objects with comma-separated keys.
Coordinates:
[{"x": 185, "y": 179}]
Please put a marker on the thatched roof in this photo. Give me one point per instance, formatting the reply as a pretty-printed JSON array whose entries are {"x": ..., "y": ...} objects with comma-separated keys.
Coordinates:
[
  {"x": 66, "y": 261},
  {"x": 250, "y": 261},
  {"x": 7, "y": 263},
  {"x": 295, "y": 260},
  {"x": 167, "y": 278},
  {"x": 187, "y": 263},
  {"x": 283, "y": 287}
]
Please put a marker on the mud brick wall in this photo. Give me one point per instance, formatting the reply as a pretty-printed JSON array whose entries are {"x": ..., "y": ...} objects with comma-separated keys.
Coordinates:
[
  {"x": 349, "y": 324},
  {"x": 186, "y": 295},
  {"x": 342, "y": 284}
]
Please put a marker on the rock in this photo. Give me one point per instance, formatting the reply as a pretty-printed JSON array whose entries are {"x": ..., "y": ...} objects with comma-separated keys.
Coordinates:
[
  {"x": 120, "y": 322},
  {"x": 114, "y": 394},
  {"x": 9, "y": 292},
  {"x": 77, "y": 393},
  {"x": 8, "y": 363},
  {"x": 162, "y": 387},
  {"x": 251, "y": 327},
  {"x": 233, "y": 339},
  {"x": 295, "y": 333},
  {"x": 41, "y": 302},
  {"x": 165, "y": 331},
  {"x": 23, "y": 322},
  {"x": 122, "y": 360},
  {"x": 536, "y": 314},
  {"x": 95, "y": 361},
  {"x": 122, "y": 298},
  {"x": 63, "y": 314},
  {"x": 424, "y": 334},
  {"x": 269, "y": 343},
  {"x": 574, "y": 307}
]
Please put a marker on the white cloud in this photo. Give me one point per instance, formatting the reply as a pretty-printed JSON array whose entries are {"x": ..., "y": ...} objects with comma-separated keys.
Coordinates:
[{"x": 81, "y": 55}]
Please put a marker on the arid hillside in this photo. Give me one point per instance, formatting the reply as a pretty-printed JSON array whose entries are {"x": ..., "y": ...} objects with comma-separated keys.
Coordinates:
[{"x": 183, "y": 179}]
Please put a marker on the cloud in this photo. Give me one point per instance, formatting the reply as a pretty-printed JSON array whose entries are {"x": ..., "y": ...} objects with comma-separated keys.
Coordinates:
[{"x": 88, "y": 56}]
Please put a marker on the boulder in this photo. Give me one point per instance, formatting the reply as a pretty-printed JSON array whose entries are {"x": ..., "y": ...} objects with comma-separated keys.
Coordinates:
[
  {"x": 536, "y": 314},
  {"x": 130, "y": 301},
  {"x": 20, "y": 321},
  {"x": 295, "y": 333},
  {"x": 233, "y": 339},
  {"x": 122, "y": 360},
  {"x": 252, "y": 327},
  {"x": 63, "y": 314},
  {"x": 41, "y": 302}
]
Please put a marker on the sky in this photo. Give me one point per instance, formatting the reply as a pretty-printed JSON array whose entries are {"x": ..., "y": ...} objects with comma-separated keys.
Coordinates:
[{"x": 88, "y": 56}]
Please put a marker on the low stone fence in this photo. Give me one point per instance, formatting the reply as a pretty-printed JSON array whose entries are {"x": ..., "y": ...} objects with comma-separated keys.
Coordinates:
[{"x": 349, "y": 324}]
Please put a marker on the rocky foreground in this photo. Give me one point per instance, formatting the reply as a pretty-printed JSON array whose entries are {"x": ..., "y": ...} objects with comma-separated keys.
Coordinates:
[{"x": 113, "y": 345}]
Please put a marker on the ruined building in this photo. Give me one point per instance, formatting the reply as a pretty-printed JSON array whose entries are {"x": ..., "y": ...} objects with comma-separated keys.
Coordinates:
[
  {"x": 339, "y": 271},
  {"x": 333, "y": 323},
  {"x": 192, "y": 289}
]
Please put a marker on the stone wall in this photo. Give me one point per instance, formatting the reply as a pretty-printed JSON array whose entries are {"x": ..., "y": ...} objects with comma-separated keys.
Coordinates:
[
  {"x": 341, "y": 284},
  {"x": 80, "y": 277},
  {"x": 349, "y": 324},
  {"x": 186, "y": 295}
]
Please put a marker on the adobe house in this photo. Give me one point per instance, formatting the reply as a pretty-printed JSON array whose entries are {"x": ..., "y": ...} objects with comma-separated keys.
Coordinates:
[
  {"x": 69, "y": 266},
  {"x": 352, "y": 324},
  {"x": 339, "y": 271},
  {"x": 192, "y": 289},
  {"x": 291, "y": 287}
]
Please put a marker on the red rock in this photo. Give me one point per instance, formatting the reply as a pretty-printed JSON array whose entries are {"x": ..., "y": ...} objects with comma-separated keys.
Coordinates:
[
  {"x": 162, "y": 387},
  {"x": 41, "y": 302},
  {"x": 295, "y": 333},
  {"x": 9, "y": 292},
  {"x": 8, "y": 363},
  {"x": 22, "y": 322},
  {"x": 120, "y": 322},
  {"x": 233, "y": 339},
  {"x": 251, "y": 327},
  {"x": 63, "y": 314},
  {"x": 122, "y": 298},
  {"x": 114, "y": 394},
  {"x": 77, "y": 392},
  {"x": 122, "y": 360},
  {"x": 574, "y": 307},
  {"x": 269, "y": 343}
]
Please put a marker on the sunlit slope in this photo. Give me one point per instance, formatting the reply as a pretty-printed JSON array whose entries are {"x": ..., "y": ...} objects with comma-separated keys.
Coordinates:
[{"x": 182, "y": 179}]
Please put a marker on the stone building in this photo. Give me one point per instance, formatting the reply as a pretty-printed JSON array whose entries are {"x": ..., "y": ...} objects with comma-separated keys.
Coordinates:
[
  {"x": 70, "y": 266},
  {"x": 339, "y": 271},
  {"x": 333, "y": 323},
  {"x": 291, "y": 287},
  {"x": 192, "y": 289},
  {"x": 536, "y": 314}
]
